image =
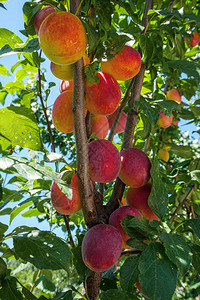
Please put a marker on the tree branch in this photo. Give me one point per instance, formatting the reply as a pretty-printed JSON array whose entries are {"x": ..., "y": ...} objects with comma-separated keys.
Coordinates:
[
  {"x": 181, "y": 204},
  {"x": 69, "y": 231},
  {"x": 130, "y": 252},
  {"x": 120, "y": 110},
  {"x": 88, "y": 205},
  {"x": 44, "y": 108}
]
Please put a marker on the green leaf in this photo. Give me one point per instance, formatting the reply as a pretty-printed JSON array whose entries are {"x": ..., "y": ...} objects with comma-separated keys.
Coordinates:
[
  {"x": 195, "y": 224},
  {"x": 43, "y": 249},
  {"x": 4, "y": 71},
  {"x": 21, "y": 229},
  {"x": 114, "y": 295},
  {"x": 136, "y": 245},
  {"x": 21, "y": 129},
  {"x": 158, "y": 274},
  {"x": 196, "y": 257},
  {"x": 32, "y": 170},
  {"x": 195, "y": 175},
  {"x": 10, "y": 289},
  {"x": 158, "y": 198},
  {"x": 147, "y": 47},
  {"x": 3, "y": 95},
  {"x": 149, "y": 109},
  {"x": 139, "y": 222},
  {"x": 177, "y": 250},
  {"x": 129, "y": 274},
  {"x": 3, "y": 269},
  {"x": 64, "y": 296},
  {"x": 104, "y": 14},
  {"x": 93, "y": 36},
  {"x": 187, "y": 67},
  {"x": 23, "y": 205},
  {"x": 182, "y": 151},
  {"x": 29, "y": 10},
  {"x": 10, "y": 38},
  {"x": 1, "y": 5},
  {"x": 33, "y": 212},
  {"x": 3, "y": 228},
  {"x": 32, "y": 45}
]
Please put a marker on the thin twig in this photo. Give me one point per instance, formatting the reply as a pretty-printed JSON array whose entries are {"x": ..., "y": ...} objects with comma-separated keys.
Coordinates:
[
  {"x": 69, "y": 231},
  {"x": 172, "y": 4},
  {"x": 120, "y": 110},
  {"x": 131, "y": 252},
  {"x": 44, "y": 108},
  {"x": 181, "y": 204}
]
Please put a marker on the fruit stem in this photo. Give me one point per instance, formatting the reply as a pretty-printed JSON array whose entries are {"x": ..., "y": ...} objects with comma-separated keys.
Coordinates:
[{"x": 181, "y": 204}]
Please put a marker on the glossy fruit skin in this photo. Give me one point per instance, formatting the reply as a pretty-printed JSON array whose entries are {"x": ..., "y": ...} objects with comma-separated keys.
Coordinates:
[
  {"x": 138, "y": 198},
  {"x": 65, "y": 72},
  {"x": 163, "y": 154},
  {"x": 100, "y": 126},
  {"x": 104, "y": 97},
  {"x": 62, "y": 117},
  {"x": 62, "y": 203},
  {"x": 66, "y": 86},
  {"x": 174, "y": 95},
  {"x": 194, "y": 39},
  {"x": 41, "y": 15},
  {"x": 117, "y": 216},
  {"x": 135, "y": 167},
  {"x": 125, "y": 65},
  {"x": 122, "y": 121},
  {"x": 62, "y": 38},
  {"x": 101, "y": 247},
  {"x": 104, "y": 161},
  {"x": 164, "y": 121}
]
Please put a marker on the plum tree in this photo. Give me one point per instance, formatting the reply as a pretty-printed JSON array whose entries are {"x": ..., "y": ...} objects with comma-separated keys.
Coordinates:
[
  {"x": 101, "y": 247},
  {"x": 135, "y": 167},
  {"x": 128, "y": 91}
]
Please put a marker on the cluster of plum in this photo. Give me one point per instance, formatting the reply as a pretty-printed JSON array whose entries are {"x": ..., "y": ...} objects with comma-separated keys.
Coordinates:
[{"x": 63, "y": 39}]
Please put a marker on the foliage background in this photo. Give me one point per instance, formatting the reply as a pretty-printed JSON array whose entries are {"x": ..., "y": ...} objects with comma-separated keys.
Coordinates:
[{"x": 32, "y": 172}]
